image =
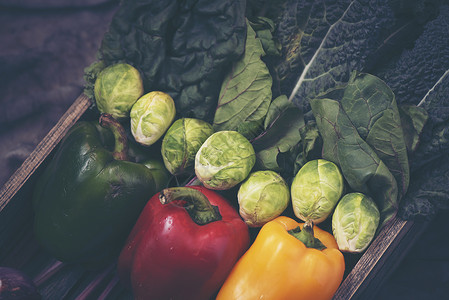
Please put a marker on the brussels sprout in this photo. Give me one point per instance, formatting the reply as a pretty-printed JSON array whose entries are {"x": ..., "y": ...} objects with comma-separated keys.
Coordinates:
[
  {"x": 263, "y": 196},
  {"x": 151, "y": 116},
  {"x": 182, "y": 141},
  {"x": 355, "y": 222},
  {"x": 316, "y": 189},
  {"x": 224, "y": 160},
  {"x": 117, "y": 88}
]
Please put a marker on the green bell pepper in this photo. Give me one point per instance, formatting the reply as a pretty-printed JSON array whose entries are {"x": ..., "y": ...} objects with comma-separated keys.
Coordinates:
[{"x": 89, "y": 196}]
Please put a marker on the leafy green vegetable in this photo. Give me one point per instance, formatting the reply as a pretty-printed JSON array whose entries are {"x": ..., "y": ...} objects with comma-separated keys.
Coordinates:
[
  {"x": 281, "y": 133},
  {"x": 411, "y": 16},
  {"x": 224, "y": 160},
  {"x": 429, "y": 189},
  {"x": 246, "y": 91},
  {"x": 354, "y": 222},
  {"x": 263, "y": 196},
  {"x": 413, "y": 119},
  {"x": 183, "y": 48},
  {"x": 312, "y": 142},
  {"x": 435, "y": 141},
  {"x": 301, "y": 28},
  {"x": 416, "y": 70},
  {"x": 362, "y": 168},
  {"x": 324, "y": 41},
  {"x": 316, "y": 189},
  {"x": 117, "y": 88},
  {"x": 90, "y": 75},
  {"x": 264, "y": 28},
  {"x": 371, "y": 107},
  {"x": 419, "y": 76}
]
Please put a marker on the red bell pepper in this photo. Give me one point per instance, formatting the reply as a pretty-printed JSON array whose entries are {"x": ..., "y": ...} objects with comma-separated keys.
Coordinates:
[{"x": 183, "y": 246}]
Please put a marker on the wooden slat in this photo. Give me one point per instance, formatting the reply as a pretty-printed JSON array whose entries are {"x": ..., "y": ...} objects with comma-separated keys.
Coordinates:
[{"x": 43, "y": 149}]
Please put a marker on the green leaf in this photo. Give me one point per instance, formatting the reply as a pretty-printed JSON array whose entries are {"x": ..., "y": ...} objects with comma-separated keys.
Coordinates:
[
  {"x": 264, "y": 28},
  {"x": 277, "y": 107},
  {"x": 246, "y": 91},
  {"x": 312, "y": 142},
  {"x": 429, "y": 188},
  {"x": 250, "y": 129},
  {"x": 281, "y": 134},
  {"x": 184, "y": 48},
  {"x": 413, "y": 119},
  {"x": 362, "y": 168},
  {"x": 90, "y": 75},
  {"x": 371, "y": 107}
]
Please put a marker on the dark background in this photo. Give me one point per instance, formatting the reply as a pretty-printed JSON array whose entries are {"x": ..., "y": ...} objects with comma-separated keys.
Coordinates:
[{"x": 45, "y": 46}]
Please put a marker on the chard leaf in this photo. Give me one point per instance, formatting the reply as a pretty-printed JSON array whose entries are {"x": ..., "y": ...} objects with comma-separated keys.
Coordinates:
[
  {"x": 264, "y": 28},
  {"x": 277, "y": 107},
  {"x": 281, "y": 134},
  {"x": 250, "y": 129},
  {"x": 183, "y": 48},
  {"x": 246, "y": 91},
  {"x": 371, "y": 107},
  {"x": 362, "y": 168}
]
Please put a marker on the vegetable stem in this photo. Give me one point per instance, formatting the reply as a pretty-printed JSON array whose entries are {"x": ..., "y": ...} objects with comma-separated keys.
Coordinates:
[
  {"x": 121, "y": 142},
  {"x": 306, "y": 236},
  {"x": 198, "y": 206}
]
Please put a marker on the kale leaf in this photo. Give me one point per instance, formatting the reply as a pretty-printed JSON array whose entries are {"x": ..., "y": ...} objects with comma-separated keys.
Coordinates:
[
  {"x": 183, "y": 48},
  {"x": 420, "y": 76},
  {"x": 428, "y": 192},
  {"x": 430, "y": 173},
  {"x": 324, "y": 41},
  {"x": 416, "y": 70},
  {"x": 302, "y": 26}
]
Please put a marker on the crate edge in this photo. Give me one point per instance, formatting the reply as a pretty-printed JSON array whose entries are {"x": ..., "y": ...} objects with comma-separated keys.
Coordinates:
[{"x": 43, "y": 149}]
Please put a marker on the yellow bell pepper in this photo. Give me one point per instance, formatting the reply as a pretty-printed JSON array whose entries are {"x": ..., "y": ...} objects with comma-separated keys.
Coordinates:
[{"x": 279, "y": 266}]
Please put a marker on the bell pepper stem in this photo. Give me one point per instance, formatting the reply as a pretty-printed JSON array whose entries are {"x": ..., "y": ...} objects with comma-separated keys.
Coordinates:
[
  {"x": 121, "y": 142},
  {"x": 306, "y": 236},
  {"x": 198, "y": 206}
]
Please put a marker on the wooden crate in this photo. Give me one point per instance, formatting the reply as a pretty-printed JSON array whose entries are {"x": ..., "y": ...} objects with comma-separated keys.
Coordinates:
[{"x": 364, "y": 276}]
